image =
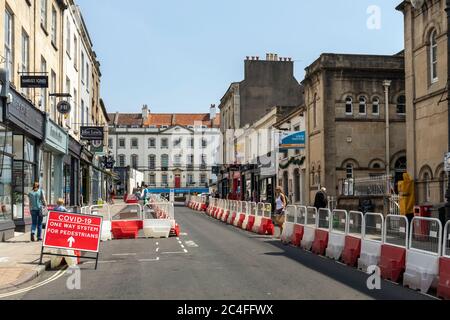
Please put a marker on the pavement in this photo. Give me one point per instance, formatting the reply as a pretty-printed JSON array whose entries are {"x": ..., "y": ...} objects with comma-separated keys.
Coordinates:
[
  {"x": 209, "y": 261},
  {"x": 19, "y": 261}
]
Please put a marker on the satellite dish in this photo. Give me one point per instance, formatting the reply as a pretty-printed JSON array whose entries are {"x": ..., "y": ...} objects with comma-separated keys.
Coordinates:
[{"x": 417, "y": 4}]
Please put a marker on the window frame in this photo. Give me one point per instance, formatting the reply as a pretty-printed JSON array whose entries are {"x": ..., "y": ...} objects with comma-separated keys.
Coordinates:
[
  {"x": 433, "y": 52},
  {"x": 349, "y": 102},
  {"x": 44, "y": 14},
  {"x": 350, "y": 171},
  {"x": 376, "y": 102},
  {"x": 54, "y": 30},
  {"x": 134, "y": 143},
  {"x": 119, "y": 145},
  {"x": 152, "y": 162},
  {"x": 362, "y": 102},
  {"x": 151, "y": 143},
  {"x": 9, "y": 43},
  {"x": 401, "y": 104}
]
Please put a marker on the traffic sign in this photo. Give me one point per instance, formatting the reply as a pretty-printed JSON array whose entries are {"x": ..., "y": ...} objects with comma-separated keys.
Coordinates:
[{"x": 73, "y": 232}]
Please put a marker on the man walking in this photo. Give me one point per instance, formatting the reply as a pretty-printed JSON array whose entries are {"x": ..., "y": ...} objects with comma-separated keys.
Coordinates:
[{"x": 321, "y": 200}]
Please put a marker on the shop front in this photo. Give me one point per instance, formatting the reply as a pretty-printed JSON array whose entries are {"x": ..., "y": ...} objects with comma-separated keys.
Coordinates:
[
  {"x": 26, "y": 126},
  {"x": 7, "y": 225},
  {"x": 51, "y": 161},
  {"x": 86, "y": 158},
  {"x": 71, "y": 181}
]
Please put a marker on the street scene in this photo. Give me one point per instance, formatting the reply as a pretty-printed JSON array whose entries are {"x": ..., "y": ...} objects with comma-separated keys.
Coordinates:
[{"x": 187, "y": 156}]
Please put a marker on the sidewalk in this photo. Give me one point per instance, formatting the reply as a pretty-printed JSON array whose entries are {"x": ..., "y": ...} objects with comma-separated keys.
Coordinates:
[{"x": 19, "y": 261}]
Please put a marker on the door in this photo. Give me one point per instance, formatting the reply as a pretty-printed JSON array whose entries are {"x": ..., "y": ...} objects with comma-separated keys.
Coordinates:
[{"x": 177, "y": 181}]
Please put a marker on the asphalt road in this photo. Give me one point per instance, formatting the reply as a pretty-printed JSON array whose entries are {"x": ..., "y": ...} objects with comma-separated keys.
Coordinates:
[{"x": 210, "y": 261}]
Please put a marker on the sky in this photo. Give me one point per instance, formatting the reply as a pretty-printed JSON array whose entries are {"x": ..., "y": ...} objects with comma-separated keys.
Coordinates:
[{"x": 182, "y": 55}]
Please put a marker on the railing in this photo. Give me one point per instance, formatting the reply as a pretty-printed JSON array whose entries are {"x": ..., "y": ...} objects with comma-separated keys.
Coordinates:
[
  {"x": 369, "y": 186},
  {"x": 394, "y": 205}
]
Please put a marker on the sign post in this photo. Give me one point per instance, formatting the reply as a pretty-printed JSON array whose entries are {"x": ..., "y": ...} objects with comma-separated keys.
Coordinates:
[{"x": 70, "y": 231}]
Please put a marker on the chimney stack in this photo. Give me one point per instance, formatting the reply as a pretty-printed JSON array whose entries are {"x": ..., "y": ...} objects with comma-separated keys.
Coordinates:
[
  {"x": 212, "y": 112},
  {"x": 145, "y": 112}
]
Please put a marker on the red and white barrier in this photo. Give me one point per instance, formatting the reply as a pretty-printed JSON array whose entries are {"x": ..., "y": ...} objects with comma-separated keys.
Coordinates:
[
  {"x": 250, "y": 218},
  {"x": 422, "y": 257},
  {"x": 322, "y": 232},
  {"x": 290, "y": 221},
  {"x": 338, "y": 233},
  {"x": 241, "y": 213},
  {"x": 372, "y": 239},
  {"x": 444, "y": 266},
  {"x": 393, "y": 250},
  {"x": 352, "y": 247},
  {"x": 310, "y": 228}
]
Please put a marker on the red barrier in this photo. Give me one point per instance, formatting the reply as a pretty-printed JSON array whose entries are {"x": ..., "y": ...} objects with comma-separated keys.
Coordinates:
[
  {"x": 225, "y": 216},
  {"x": 203, "y": 208},
  {"x": 320, "y": 243},
  {"x": 444, "y": 279},
  {"x": 352, "y": 251},
  {"x": 392, "y": 262},
  {"x": 251, "y": 222},
  {"x": 126, "y": 229},
  {"x": 266, "y": 227},
  {"x": 233, "y": 217},
  {"x": 241, "y": 220},
  {"x": 175, "y": 231},
  {"x": 297, "y": 236}
]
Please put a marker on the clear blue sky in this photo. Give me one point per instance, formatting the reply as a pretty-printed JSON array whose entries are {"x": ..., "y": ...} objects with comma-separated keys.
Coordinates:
[{"x": 182, "y": 55}]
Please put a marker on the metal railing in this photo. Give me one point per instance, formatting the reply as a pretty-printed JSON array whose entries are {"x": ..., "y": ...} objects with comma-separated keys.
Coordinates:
[
  {"x": 368, "y": 186},
  {"x": 396, "y": 231}
]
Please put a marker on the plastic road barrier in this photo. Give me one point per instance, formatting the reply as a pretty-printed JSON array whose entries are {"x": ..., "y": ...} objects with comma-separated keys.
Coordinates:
[
  {"x": 233, "y": 212},
  {"x": 338, "y": 233},
  {"x": 444, "y": 266},
  {"x": 104, "y": 211},
  {"x": 242, "y": 214},
  {"x": 258, "y": 217},
  {"x": 251, "y": 211},
  {"x": 310, "y": 228},
  {"x": 352, "y": 247},
  {"x": 288, "y": 229},
  {"x": 372, "y": 239},
  {"x": 321, "y": 237},
  {"x": 422, "y": 257},
  {"x": 393, "y": 251},
  {"x": 266, "y": 227},
  {"x": 157, "y": 228}
]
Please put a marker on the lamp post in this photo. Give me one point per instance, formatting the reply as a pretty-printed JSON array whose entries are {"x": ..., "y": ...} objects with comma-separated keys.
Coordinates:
[{"x": 386, "y": 85}]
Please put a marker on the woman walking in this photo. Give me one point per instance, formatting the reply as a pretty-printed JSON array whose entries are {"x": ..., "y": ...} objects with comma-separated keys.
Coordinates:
[
  {"x": 37, "y": 204},
  {"x": 280, "y": 209}
]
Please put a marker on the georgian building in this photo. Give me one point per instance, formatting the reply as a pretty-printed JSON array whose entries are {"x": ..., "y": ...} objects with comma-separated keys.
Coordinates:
[
  {"x": 174, "y": 151},
  {"x": 426, "y": 52},
  {"x": 345, "y": 99}
]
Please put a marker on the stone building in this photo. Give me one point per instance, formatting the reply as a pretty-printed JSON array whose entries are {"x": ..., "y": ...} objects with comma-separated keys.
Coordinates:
[
  {"x": 174, "y": 151},
  {"x": 346, "y": 125},
  {"x": 267, "y": 83},
  {"x": 426, "y": 68}
]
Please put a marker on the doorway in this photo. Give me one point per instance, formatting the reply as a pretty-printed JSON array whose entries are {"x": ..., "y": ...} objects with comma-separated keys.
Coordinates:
[{"x": 177, "y": 181}]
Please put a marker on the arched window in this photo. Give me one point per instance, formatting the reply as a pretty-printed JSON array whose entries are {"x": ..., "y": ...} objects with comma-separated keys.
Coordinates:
[
  {"x": 349, "y": 105},
  {"x": 376, "y": 106},
  {"x": 165, "y": 161},
  {"x": 401, "y": 105},
  {"x": 134, "y": 161},
  {"x": 433, "y": 57},
  {"x": 121, "y": 161},
  {"x": 426, "y": 189},
  {"x": 152, "y": 162},
  {"x": 349, "y": 171},
  {"x": 362, "y": 105}
]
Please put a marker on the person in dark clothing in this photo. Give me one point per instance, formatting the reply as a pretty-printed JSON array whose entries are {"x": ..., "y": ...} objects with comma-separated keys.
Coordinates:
[{"x": 321, "y": 200}]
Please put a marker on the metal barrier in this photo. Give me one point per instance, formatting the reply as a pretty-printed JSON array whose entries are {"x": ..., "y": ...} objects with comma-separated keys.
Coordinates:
[
  {"x": 291, "y": 214},
  {"x": 323, "y": 221},
  {"x": 244, "y": 207},
  {"x": 311, "y": 217},
  {"x": 301, "y": 215},
  {"x": 126, "y": 212},
  {"x": 339, "y": 221},
  {"x": 267, "y": 211},
  {"x": 355, "y": 224},
  {"x": 84, "y": 210},
  {"x": 446, "y": 246},
  {"x": 426, "y": 235},
  {"x": 373, "y": 227},
  {"x": 101, "y": 210},
  {"x": 396, "y": 230}
]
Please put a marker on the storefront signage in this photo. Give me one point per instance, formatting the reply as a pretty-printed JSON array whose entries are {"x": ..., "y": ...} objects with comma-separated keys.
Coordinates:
[
  {"x": 92, "y": 133},
  {"x": 86, "y": 156},
  {"x": 56, "y": 137},
  {"x": 73, "y": 232},
  {"x": 292, "y": 140},
  {"x": 24, "y": 115},
  {"x": 34, "y": 81},
  {"x": 74, "y": 146},
  {"x": 97, "y": 147},
  {"x": 64, "y": 107}
]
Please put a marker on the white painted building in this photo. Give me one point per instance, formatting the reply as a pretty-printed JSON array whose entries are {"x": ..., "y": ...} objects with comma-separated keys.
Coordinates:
[{"x": 172, "y": 150}]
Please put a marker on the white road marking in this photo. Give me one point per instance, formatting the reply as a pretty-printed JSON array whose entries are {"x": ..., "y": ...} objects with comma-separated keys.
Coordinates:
[
  {"x": 183, "y": 234},
  {"x": 4, "y": 259},
  {"x": 149, "y": 260},
  {"x": 157, "y": 243},
  {"x": 175, "y": 252},
  {"x": 185, "y": 251},
  {"x": 182, "y": 246},
  {"x": 191, "y": 244},
  {"x": 56, "y": 276},
  {"x": 124, "y": 254},
  {"x": 157, "y": 249},
  {"x": 100, "y": 262}
]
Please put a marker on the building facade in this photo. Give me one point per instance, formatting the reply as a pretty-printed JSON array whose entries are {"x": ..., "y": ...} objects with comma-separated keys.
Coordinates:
[
  {"x": 346, "y": 137},
  {"x": 174, "y": 151},
  {"x": 426, "y": 56},
  {"x": 42, "y": 37}
]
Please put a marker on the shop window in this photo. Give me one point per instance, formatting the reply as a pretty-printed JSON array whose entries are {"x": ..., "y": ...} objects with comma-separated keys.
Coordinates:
[{"x": 6, "y": 188}]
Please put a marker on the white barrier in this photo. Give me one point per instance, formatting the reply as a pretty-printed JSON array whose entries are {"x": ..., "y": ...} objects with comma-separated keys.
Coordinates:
[
  {"x": 288, "y": 228},
  {"x": 311, "y": 223},
  {"x": 372, "y": 239},
  {"x": 446, "y": 245},
  {"x": 258, "y": 217},
  {"x": 242, "y": 208},
  {"x": 396, "y": 231},
  {"x": 422, "y": 257},
  {"x": 251, "y": 212},
  {"x": 336, "y": 242},
  {"x": 103, "y": 211}
]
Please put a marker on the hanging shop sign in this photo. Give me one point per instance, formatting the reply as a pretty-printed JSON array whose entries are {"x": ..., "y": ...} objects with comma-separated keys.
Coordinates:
[
  {"x": 34, "y": 81},
  {"x": 92, "y": 133},
  {"x": 64, "y": 107},
  {"x": 292, "y": 140}
]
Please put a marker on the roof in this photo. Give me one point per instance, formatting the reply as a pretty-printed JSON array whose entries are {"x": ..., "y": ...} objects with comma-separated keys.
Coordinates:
[{"x": 163, "y": 119}]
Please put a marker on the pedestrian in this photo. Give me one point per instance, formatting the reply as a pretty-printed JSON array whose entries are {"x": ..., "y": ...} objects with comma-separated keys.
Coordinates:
[
  {"x": 144, "y": 194},
  {"x": 60, "y": 206},
  {"x": 320, "y": 201},
  {"x": 38, "y": 205},
  {"x": 280, "y": 209}
]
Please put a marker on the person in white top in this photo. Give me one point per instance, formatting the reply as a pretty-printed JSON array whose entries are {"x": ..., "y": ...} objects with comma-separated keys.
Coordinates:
[{"x": 281, "y": 204}]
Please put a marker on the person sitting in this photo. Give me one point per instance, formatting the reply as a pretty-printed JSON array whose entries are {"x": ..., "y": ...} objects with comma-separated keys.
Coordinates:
[{"x": 60, "y": 206}]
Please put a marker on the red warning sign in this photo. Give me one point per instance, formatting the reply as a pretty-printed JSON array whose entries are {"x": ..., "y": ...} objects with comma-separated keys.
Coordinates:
[{"x": 73, "y": 232}]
